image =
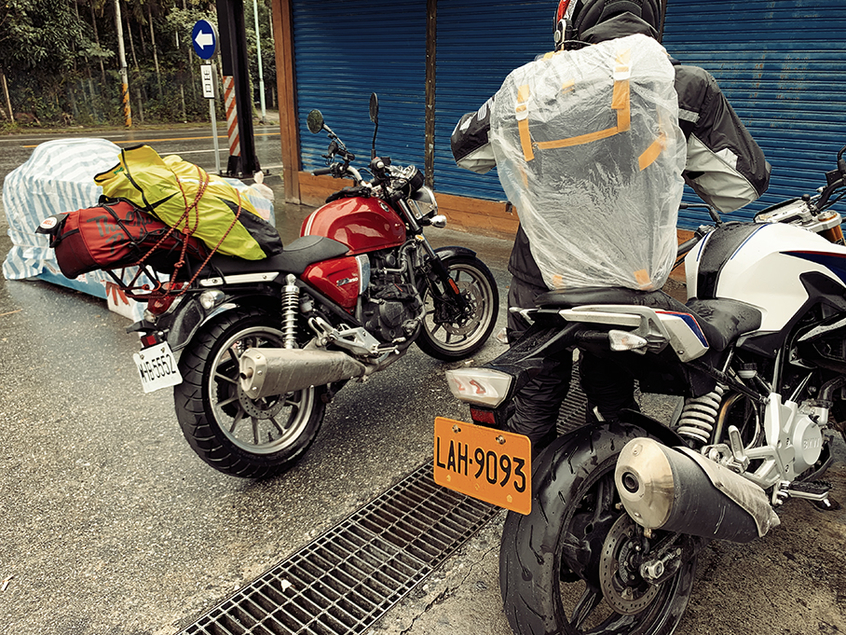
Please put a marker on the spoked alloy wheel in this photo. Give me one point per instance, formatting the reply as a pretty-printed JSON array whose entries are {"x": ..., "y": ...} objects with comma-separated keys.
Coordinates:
[
  {"x": 573, "y": 565},
  {"x": 227, "y": 429},
  {"x": 451, "y": 331}
]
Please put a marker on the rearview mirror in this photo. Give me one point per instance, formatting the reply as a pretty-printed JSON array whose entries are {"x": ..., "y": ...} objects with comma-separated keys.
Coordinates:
[
  {"x": 315, "y": 121},
  {"x": 374, "y": 108}
]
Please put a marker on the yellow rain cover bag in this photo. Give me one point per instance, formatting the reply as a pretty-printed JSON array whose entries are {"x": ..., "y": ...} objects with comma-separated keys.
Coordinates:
[{"x": 186, "y": 197}]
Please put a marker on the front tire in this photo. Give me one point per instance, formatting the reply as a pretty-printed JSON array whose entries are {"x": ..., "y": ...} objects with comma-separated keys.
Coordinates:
[
  {"x": 451, "y": 332},
  {"x": 565, "y": 568},
  {"x": 231, "y": 432}
]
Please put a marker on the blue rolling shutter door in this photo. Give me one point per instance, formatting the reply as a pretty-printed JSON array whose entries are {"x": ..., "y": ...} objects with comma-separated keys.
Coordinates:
[
  {"x": 345, "y": 50},
  {"x": 479, "y": 43},
  {"x": 781, "y": 66}
]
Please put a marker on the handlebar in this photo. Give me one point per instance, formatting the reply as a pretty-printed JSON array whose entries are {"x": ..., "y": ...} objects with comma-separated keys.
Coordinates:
[
  {"x": 825, "y": 195},
  {"x": 339, "y": 171}
]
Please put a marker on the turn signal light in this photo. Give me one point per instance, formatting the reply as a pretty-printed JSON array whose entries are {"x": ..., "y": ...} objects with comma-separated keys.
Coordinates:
[{"x": 626, "y": 341}]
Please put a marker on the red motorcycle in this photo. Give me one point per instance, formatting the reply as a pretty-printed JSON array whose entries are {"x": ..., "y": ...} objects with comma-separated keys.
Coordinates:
[{"x": 266, "y": 344}]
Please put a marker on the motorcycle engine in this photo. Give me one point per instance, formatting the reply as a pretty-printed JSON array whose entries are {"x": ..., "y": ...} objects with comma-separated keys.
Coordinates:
[
  {"x": 391, "y": 306},
  {"x": 807, "y": 436}
]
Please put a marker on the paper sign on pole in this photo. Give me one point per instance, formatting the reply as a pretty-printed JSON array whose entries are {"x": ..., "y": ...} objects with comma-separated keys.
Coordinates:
[{"x": 207, "y": 78}]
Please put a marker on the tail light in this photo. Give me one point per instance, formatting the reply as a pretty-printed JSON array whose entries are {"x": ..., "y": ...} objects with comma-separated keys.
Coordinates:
[
  {"x": 479, "y": 386},
  {"x": 483, "y": 416},
  {"x": 160, "y": 305}
]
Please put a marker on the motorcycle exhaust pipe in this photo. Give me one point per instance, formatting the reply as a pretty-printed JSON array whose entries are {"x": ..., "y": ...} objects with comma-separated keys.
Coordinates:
[
  {"x": 681, "y": 491},
  {"x": 276, "y": 371}
]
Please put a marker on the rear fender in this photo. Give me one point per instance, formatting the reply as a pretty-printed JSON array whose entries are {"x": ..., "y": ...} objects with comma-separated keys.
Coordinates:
[
  {"x": 653, "y": 427},
  {"x": 188, "y": 316},
  {"x": 544, "y": 341}
]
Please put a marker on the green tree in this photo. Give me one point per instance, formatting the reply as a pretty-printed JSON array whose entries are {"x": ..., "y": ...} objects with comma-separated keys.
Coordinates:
[{"x": 43, "y": 34}]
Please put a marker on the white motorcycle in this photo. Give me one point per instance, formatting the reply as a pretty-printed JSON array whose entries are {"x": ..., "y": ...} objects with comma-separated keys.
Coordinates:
[{"x": 605, "y": 529}]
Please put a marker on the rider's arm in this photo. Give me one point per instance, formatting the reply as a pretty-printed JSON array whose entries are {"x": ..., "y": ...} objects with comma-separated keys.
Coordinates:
[
  {"x": 725, "y": 166},
  {"x": 470, "y": 145}
]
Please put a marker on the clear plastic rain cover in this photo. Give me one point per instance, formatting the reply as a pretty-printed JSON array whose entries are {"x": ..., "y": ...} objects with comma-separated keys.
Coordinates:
[{"x": 589, "y": 151}]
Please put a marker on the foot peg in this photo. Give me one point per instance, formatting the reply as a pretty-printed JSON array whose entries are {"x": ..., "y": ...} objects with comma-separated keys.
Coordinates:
[{"x": 814, "y": 491}]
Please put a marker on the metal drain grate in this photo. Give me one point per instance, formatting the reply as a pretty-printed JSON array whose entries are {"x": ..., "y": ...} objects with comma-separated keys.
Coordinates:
[
  {"x": 348, "y": 577},
  {"x": 351, "y": 575}
]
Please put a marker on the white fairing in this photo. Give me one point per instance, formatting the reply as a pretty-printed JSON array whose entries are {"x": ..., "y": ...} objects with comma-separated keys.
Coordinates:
[{"x": 765, "y": 270}]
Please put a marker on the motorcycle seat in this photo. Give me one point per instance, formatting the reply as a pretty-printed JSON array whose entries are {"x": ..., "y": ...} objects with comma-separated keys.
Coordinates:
[
  {"x": 294, "y": 258},
  {"x": 722, "y": 320}
]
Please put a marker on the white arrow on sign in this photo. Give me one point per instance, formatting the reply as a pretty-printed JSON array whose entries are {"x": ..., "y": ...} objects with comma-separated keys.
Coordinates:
[{"x": 204, "y": 39}]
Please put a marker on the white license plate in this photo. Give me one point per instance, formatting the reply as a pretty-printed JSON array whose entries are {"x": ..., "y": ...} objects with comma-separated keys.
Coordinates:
[{"x": 157, "y": 367}]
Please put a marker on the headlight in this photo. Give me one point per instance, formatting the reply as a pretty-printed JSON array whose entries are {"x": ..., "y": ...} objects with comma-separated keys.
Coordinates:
[{"x": 423, "y": 203}]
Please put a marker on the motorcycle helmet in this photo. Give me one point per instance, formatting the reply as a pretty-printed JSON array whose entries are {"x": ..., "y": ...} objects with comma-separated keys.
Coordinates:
[{"x": 574, "y": 17}]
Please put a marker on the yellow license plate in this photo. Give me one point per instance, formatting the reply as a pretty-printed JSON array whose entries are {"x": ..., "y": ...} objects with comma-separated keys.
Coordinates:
[{"x": 489, "y": 465}]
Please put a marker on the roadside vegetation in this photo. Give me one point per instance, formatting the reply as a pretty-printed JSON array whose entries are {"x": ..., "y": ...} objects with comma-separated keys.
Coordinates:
[{"x": 59, "y": 62}]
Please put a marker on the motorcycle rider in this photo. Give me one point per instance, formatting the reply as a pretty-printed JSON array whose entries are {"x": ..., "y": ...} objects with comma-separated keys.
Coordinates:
[{"x": 725, "y": 167}]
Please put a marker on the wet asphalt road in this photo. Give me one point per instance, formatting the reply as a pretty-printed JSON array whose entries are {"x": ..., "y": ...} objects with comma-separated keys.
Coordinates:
[
  {"x": 110, "y": 525},
  {"x": 108, "y": 521}
]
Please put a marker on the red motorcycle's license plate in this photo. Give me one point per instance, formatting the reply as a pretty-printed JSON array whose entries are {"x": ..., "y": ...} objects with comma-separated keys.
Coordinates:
[
  {"x": 157, "y": 367},
  {"x": 486, "y": 464}
]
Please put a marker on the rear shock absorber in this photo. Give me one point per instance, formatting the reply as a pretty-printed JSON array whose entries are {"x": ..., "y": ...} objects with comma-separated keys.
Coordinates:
[
  {"x": 699, "y": 416},
  {"x": 290, "y": 308}
]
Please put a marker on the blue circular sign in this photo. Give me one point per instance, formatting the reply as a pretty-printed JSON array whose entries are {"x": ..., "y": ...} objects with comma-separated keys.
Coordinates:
[{"x": 204, "y": 39}]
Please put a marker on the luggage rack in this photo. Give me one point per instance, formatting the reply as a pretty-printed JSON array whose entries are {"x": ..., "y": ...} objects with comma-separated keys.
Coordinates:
[{"x": 158, "y": 285}]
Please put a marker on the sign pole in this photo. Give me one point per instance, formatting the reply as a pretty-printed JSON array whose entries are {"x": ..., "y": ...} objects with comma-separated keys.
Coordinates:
[
  {"x": 214, "y": 134},
  {"x": 208, "y": 74},
  {"x": 204, "y": 40},
  {"x": 235, "y": 69},
  {"x": 213, "y": 114},
  {"x": 260, "y": 71}
]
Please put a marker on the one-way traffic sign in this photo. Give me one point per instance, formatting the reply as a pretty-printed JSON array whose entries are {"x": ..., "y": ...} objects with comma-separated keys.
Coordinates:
[{"x": 204, "y": 39}]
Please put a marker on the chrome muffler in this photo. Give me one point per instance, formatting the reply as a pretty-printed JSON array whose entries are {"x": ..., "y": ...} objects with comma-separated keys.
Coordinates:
[
  {"x": 678, "y": 490},
  {"x": 276, "y": 371}
]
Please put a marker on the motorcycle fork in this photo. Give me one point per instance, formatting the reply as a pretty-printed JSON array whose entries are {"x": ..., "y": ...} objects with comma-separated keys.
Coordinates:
[{"x": 445, "y": 287}]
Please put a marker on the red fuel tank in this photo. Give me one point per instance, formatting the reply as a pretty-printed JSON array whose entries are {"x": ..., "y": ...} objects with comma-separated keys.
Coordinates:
[{"x": 363, "y": 224}]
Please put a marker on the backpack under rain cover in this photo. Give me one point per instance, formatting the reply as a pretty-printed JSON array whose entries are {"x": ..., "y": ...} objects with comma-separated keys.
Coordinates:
[
  {"x": 589, "y": 151},
  {"x": 199, "y": 204}
]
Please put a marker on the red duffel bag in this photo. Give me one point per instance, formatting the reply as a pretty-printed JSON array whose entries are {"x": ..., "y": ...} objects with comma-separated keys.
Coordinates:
[{"x": 113, "y": 235}]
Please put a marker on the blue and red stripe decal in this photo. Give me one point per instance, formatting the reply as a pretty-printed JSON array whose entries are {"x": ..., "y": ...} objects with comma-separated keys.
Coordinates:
[
  {"x": 692, "y": 324},
  {"x": 834, "y": 262}
]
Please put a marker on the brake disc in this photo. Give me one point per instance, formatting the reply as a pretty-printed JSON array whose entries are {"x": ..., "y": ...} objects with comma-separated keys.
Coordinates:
[
  {"x": 619, "y": 570},
  {"x": 461, "y": 324}
]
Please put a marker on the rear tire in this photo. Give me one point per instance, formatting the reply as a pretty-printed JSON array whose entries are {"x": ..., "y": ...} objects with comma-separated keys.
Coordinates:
[
  {"x": 571, "y": 549},
  {"x": 227, "y": 429},
  {"x": 450, "y": 332}
]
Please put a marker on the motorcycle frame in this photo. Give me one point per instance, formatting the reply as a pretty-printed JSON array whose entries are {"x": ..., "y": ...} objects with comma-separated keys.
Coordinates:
[
  {"x": 548, "y": 336},
  {"x": 180, "y": 323}
]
